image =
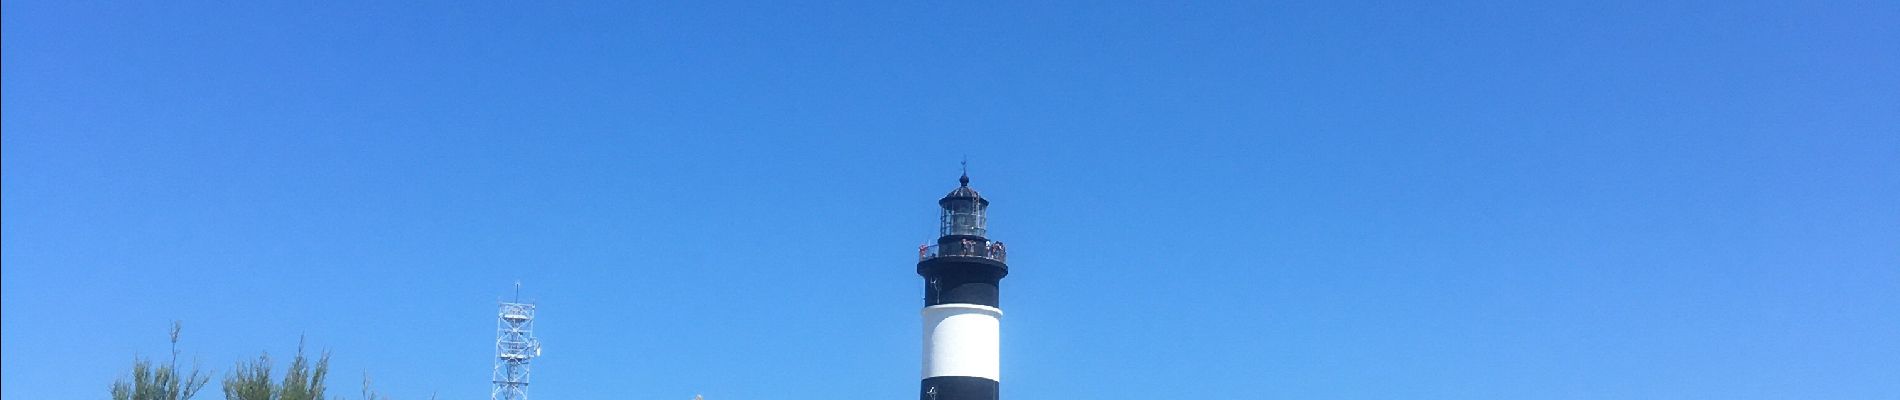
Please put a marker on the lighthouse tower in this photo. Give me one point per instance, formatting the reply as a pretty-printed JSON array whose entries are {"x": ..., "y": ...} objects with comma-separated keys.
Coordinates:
[{"x": 961, "y": 314}]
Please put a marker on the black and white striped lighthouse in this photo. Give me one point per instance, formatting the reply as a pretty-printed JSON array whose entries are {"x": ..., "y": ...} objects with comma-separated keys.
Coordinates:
[{"x": 962, "y": 319}]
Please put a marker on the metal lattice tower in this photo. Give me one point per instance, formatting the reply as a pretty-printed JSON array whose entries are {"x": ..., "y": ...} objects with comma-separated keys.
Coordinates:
[{"x": 515, "y": 346}]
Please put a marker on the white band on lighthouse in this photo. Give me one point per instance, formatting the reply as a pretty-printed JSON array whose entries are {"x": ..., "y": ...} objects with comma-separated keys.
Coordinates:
[{"x": 962, "y": 340}]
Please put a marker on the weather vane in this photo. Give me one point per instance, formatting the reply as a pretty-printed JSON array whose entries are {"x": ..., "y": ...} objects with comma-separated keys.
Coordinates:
[{"x": 965, "y": 179}]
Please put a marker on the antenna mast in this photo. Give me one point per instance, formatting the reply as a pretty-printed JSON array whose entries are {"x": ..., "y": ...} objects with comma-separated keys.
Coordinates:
[{"x": 515, "y": 346}]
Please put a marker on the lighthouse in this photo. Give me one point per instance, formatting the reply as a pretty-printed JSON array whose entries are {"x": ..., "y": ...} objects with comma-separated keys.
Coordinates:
[{"x": 962, "y": 318}]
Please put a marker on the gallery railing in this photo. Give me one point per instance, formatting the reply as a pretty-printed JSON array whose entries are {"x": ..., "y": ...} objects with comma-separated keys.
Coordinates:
[{"x": 989, "y": 249}]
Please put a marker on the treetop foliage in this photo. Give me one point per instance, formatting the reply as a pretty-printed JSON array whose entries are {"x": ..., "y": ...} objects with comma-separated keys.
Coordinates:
[
  {"x": 248, "y": 380},
  {"x": 251, "y": 380},
  {"x": 160, "y": 382}
]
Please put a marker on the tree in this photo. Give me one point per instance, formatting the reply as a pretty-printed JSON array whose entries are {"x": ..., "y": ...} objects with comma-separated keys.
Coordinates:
[
  {"x": 371, "y": 394},
  {"x": 163, "y": 382},
  {"x": 302, "y": 382},
  {"x": 249, "y": 380},
  {"x": 252, "y": 380}
]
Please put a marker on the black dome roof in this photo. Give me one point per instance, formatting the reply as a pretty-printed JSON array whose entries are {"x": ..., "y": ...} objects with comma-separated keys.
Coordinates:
[{"x": 963, "y": 192}]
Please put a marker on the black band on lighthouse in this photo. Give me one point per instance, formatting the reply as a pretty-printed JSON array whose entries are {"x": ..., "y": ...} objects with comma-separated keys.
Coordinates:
[
  {"x": 959, "y": 388},
  {"x": 969, "y": 280}
]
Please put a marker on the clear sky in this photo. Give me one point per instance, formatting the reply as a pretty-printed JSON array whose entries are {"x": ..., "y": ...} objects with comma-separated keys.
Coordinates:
[{"x": 1313, "y": 200}]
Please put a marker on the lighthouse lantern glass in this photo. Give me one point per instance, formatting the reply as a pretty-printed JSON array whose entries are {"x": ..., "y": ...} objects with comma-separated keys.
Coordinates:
[{"x": 963, "y": 217}]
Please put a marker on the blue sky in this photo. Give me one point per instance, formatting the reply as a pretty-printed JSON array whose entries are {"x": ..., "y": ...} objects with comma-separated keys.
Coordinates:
[{"x": 1324, "y": 200}]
